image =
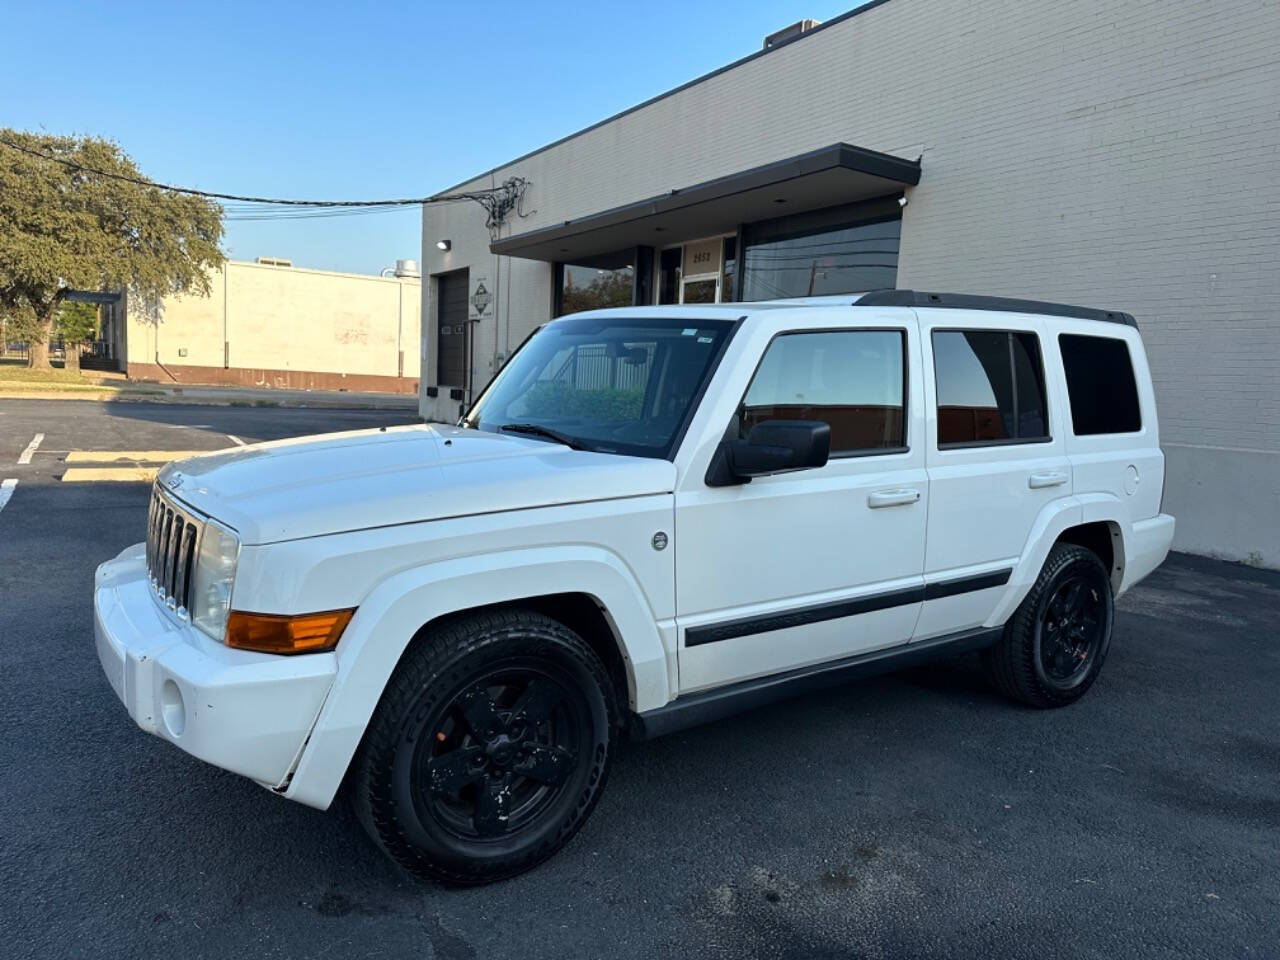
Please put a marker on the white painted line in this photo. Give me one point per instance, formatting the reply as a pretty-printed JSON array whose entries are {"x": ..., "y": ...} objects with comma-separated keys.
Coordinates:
[
  {"x": 6, "y": 491},
  {"x": 25, "y": 457},
  {"x": 236, "y": 440}
]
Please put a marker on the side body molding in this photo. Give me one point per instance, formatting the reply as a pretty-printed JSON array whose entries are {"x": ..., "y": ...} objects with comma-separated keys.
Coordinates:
[{"x": 393, "y": 612}]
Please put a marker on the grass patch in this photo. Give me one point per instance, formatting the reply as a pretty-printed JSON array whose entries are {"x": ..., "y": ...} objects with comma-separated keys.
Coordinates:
[{"x": 13, "y": 370}]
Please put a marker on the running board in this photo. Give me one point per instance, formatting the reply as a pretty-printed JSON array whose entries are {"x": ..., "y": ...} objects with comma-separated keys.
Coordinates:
[{"x": 711, "y": 705}]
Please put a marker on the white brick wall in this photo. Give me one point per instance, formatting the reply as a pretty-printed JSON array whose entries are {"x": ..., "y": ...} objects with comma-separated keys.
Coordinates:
[{"x": 1123, "y": 155}]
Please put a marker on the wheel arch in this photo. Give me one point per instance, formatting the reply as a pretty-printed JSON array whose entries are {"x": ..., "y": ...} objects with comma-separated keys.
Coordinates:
[
  {"x": 587, "y": 588},
  {"x": 1096, "y": 521},
  {"x": 1105, "y": 539},
  {"x": 583, "y": 613}
]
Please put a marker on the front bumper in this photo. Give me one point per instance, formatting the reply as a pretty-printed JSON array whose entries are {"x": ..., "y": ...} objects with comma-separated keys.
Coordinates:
[{"x": 249, "y": 713}]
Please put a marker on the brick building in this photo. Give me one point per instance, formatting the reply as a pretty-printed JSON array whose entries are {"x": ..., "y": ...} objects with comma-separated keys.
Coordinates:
[{"x": 1115, "y": 155}]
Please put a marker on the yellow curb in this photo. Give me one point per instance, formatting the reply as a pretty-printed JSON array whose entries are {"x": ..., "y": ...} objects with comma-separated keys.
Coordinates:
[
  {"x": 101, "y": 474},
  {"x": 134, "y": 456}
]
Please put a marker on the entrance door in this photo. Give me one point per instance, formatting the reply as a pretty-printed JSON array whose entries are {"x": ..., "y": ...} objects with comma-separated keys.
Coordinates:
[
  {"x": 700, "y": 282},
  {"x": 452, "y": 328},
  {"x": 811, "y": 566}
]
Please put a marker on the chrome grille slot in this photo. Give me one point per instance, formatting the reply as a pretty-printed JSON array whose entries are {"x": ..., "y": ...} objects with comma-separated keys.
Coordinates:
[{"x": 173, "y": 538}]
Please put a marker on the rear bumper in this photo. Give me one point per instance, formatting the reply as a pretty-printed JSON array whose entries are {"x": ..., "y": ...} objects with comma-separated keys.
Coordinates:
[
  {"x": 249, "y": 713},
  {"x": 1145, "y": 547}
]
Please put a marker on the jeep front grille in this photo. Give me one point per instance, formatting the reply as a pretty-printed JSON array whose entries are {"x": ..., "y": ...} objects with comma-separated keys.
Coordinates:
[{"x": 173, "y": 537}]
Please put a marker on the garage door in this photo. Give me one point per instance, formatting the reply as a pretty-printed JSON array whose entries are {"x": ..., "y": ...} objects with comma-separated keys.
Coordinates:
[{"x": 451, "y": 332}]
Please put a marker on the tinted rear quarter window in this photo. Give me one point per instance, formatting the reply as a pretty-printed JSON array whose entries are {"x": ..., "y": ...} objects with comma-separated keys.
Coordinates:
[{"x": 1100, "y": 385}]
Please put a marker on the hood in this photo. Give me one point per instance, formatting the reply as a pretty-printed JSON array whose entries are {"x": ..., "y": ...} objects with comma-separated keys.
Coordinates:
[{"x": 310, "y": 486}]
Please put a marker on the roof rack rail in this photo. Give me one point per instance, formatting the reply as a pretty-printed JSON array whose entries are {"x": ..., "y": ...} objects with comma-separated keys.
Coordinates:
[{"x": 967, "y": 301}]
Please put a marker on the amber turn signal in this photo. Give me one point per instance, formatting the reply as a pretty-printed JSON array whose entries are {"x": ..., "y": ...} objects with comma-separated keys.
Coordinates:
[{"x": 304, "y": 633}]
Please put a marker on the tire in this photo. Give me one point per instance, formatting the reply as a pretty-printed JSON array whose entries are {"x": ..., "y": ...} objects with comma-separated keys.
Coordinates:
[
  {"x": 1056, "y": 641},
  {"x": 488, "y": 749}
]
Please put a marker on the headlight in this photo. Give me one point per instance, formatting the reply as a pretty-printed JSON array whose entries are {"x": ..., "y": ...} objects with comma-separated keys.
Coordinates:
[{"x": 211, "y": 585}]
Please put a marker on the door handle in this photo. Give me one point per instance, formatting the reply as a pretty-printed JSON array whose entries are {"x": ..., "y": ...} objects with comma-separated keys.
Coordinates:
[
  {"x": 892, "y": 498},
  {"x": 1052, "y": 479}
]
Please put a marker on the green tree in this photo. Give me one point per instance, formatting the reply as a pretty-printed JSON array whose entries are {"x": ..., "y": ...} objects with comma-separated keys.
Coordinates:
[
  {"x": 76, "y": 321},
  {"x": 68, "y": 223}
]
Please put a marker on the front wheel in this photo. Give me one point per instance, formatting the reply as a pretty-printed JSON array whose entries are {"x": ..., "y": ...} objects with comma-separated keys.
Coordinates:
[
  {"x": 1053, "y": 647},
  {"x": 488, "y": 749}
]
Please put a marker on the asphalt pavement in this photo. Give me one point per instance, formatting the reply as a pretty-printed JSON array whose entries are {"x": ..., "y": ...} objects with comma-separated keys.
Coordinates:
[{"x": 914, "y": 815}]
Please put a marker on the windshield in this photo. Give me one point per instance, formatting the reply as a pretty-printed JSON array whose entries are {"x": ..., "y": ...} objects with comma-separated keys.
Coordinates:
[{"x": 617, "y": 385}]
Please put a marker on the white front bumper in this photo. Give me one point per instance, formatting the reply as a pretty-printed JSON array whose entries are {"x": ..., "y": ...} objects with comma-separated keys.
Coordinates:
[{"x": 249, "y": 713}]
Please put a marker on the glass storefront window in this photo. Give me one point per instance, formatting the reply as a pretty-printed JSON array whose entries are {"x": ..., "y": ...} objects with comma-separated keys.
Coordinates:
[
  {"x": 669, "y": 275},
  {"x": 606, "y": 281},
  {"x": 806, "y": 257},
  {"x": 730, "y": 269}
]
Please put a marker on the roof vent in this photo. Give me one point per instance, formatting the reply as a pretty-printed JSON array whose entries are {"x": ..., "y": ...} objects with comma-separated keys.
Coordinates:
[
  {"x": 273, "y": 262},
  {"x": 407, "y": 268},
  {"x": 790, "y": 33}
]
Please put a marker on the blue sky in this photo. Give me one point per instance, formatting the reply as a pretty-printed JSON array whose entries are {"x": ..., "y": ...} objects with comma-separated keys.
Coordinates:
[{"x": 343, "y": 101}]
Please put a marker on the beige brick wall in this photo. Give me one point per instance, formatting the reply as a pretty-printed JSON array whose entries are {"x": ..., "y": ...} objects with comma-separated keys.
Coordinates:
[{"x": 1123, "y": 155}]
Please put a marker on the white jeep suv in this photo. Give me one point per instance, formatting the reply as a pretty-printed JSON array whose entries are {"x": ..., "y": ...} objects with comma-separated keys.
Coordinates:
[{"x": 653, "y": 517}]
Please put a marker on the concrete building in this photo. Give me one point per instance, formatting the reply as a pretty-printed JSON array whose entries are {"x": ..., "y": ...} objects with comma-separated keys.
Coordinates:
[
  {"x": 272, "y": 324},
  {"x": 1124, "y": 156}
]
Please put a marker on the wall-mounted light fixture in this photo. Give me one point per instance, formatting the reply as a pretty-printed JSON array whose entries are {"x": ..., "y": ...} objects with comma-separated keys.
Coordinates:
[{"x": 445, "y": 245}]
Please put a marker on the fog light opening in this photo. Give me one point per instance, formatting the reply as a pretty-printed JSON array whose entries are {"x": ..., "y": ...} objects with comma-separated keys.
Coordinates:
[{"x": 173, "y": 709}]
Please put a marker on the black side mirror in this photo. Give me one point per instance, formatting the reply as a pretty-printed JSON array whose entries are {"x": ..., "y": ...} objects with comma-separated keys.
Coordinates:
[{"x": 775, "y": 446}]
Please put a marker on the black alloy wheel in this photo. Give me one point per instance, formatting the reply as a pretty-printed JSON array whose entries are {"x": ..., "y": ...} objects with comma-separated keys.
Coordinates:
[
  {"x": 500, "y": 752},
  {"x": 1071, "y": 630}
]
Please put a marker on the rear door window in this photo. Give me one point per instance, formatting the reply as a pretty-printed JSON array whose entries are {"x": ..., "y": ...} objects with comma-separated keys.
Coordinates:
[
  {"x": 990, "y": 386},
  {"x": 1100, "y": 384}
]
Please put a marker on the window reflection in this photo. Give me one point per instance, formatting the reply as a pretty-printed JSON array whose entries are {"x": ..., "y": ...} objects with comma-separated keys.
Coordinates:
[
  {"x": 990, "y": 386},
  {"x": 841, "y": 259},
  {"x": 607, "y": 281},
  {"x": 730, "y": 260},
  {"x": 851, "y": 380}
]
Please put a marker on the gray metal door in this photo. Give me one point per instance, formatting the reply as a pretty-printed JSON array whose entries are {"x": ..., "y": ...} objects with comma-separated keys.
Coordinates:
[{"x": 452, "y": 331}]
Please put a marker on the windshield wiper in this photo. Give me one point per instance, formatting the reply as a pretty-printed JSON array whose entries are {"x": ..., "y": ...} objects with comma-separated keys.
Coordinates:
[{"x": 538, "y": 430}]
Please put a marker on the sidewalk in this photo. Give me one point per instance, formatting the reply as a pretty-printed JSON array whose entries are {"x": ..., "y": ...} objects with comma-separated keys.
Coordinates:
[{"x": 123, "y": 391}]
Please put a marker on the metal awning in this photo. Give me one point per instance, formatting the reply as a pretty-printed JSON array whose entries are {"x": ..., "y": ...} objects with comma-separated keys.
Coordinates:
[{"x": 828, "y": 177}]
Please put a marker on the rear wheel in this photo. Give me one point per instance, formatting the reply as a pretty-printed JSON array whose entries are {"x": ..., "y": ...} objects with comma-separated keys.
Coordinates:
[
  {"x": 1054, "y": 645},
  {"x": 488, "y": 749}
]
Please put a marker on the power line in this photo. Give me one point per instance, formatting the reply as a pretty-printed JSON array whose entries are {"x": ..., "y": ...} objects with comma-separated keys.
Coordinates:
[{"x": 479, "y": 195}]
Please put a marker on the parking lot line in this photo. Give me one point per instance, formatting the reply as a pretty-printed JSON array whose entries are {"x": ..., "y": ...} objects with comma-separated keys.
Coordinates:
[
  {"x": 6, "y": 491},
  {"x": 25, "y": 456},
  {"x": 101, "y": 474},
  {"x": 133, "y": 456}
]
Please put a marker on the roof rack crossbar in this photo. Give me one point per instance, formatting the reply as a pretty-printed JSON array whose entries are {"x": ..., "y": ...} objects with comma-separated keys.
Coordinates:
[{"x": 967, "y": 301}]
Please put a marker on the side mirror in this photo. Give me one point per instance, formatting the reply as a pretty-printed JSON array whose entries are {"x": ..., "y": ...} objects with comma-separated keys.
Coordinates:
[{"x": 775, "y": 446}]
